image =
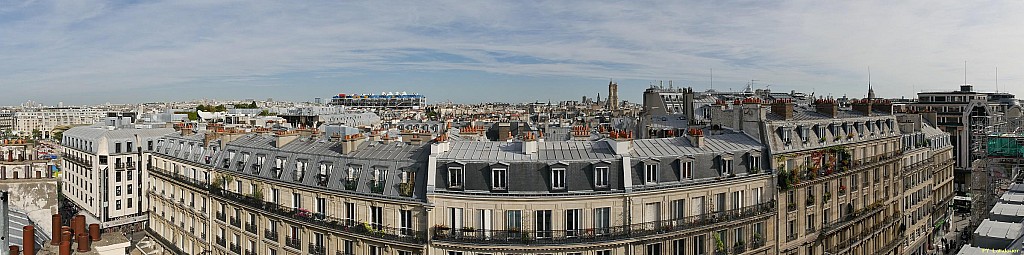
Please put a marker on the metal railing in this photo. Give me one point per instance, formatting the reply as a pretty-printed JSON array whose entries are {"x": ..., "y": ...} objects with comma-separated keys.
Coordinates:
[
  {"x": 293, "y": 242},
  {"x": 469, "y": 235},
  {"x": 317, "y": 249},
  {"x": 327, "y": 222},
  {"x": 792, "y": 237},
  {"x": 250, "y": 227},
  {"x": 270, "y": 235}
]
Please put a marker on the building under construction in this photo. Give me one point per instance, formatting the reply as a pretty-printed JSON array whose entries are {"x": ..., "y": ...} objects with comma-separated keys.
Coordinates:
[{"x": 1000, "y": 155}]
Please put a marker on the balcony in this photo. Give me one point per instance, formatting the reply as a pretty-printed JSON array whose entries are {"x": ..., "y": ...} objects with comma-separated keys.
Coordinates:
[
  {"x": 846, "y": 166},
  {"x": 317, "y": 249},
  {"x": 251, "y": 228},
  {"x": 249, "y": 252},
  {"x": 181, "y": 178},
  {"x": 792, "y": 237},
  {"x": 351, "y": 183},
  {"x": 293, "y": 242},
  {"x": 270, "y": 235},
  {"x": 638, "y": 230},
  {"x": 236, "y": 222},
  {"x": 235, "y": 248},
  {"x": 377, "y": 187},
  {"x": 856, "y": 216},
  {"x": 220, "y": 241},
  {"x": 221, "y": 216},
  {"x": 843, "y": 246},
  {"x": 325, "y": 222},
  {"x": 811, "y": 229},
  {"x": 119, "y": 166},
  {"x": 343, "y": 253},
  {"x": 79, "y": 161},
  {"x": 790, "y": 207}
]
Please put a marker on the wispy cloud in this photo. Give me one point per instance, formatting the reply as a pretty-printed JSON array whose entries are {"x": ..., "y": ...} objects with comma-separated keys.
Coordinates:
[{"x": 97, "y": 51}]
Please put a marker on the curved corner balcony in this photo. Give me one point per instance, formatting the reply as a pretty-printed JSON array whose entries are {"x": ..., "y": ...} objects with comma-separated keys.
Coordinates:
[{"x": 591, "y": 235}]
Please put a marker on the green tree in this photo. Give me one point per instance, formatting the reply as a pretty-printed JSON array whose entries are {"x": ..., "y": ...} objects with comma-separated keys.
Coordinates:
[
  {"x": 36, "y": 134},
  {"x": 220, "y": 108}
]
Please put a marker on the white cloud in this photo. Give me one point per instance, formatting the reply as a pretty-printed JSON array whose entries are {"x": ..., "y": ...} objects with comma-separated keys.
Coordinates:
[{"x": 61, "y": 49}]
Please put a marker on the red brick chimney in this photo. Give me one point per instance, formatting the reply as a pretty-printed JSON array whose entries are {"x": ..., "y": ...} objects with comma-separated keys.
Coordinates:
[
  {"x": 783, "y": 107},
  {"x": 863, "y": 106},
  {"x": 828, "y": 107}
]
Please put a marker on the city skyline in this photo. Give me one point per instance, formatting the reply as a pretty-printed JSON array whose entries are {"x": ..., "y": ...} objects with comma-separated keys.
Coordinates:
[{"x": 86, "y": 52}]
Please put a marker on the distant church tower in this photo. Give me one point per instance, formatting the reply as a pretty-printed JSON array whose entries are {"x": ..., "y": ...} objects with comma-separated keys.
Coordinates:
[
  {"x": 871, "y": 91},
  {"x": 613, "y": 96}
]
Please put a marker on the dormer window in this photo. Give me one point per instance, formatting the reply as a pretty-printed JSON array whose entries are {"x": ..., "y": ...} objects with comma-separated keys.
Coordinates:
[
  {"x": 499, "y": 179},
  {"x": 455, "y": 177},
  {"x": 260, "y": 159},
  {"x": 726, "y": 166},
  {"x": 820, "y": 132},
  {"x": 785, "y": 135},
  {"x": 300, "y": 169},
  {"x": 558, "y": 178},
  {"x": 322, "y": 176},
  {"x": 651, "y": 173},
  {"x": 601, "y": 177},
  {"x": 803, "y": 133},
  {"x": 755, "y": 161},
  {"x": 686, "y": 169}
]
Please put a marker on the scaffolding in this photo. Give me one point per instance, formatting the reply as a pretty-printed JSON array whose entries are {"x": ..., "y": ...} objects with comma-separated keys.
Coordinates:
[{"x": 999, "y": 149}]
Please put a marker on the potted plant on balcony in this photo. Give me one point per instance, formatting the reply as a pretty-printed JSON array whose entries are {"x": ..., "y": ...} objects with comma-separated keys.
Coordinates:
[
  {"x": 822, "y": 139},
  {"x": 810, "y": 200},
  {"x": 719, "y": 245},
  {"x": 842, "y": 190},
  {"x": 739, "y": 245},
  {"x": 825, "y": 197},
  {"x": 757, "y": 238},
  {"x": 303, "y": 213},
  {"x": 588, "y": 233},
  {"x": 468, "y": 229},
  {"x": 441, "y": 230},
  {"x": 406, "y": 189}
]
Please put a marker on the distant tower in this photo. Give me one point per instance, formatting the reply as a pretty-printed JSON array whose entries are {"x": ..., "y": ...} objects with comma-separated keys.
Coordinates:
[
  {"x": 613, "y": 96},
  {"x": 871, "y": 91}
]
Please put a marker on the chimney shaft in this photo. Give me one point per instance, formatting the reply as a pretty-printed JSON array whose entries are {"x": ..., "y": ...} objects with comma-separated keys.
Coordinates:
[
  {"x": 83, "y": 242},
  {"x": 94, "y": 231},
  {"x": 29, "y": 238},
  {"x": 15, "y": 250},
  {"x": 55, "y": 237}
]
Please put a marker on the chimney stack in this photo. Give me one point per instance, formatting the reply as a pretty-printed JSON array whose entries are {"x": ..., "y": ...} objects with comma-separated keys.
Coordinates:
[
  {"x": 55, "y": 237},
  {"x": 782, "y": 107},
  {"x": 828, "y": 107},
  {"x": 28, "y": 236},
  {"x": 15, "y": 250},
  {"x": 696, "y": 137},
  {"x": 863, "y": 106}
]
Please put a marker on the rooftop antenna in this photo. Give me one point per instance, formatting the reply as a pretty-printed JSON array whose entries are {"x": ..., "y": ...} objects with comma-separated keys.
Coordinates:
[
  {"x": 997, "y": 79},
  {"x": 965, "y": 72}
]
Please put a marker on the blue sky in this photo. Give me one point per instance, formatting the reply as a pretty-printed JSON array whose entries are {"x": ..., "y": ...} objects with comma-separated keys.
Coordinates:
[{"x": 86, "y": 52}]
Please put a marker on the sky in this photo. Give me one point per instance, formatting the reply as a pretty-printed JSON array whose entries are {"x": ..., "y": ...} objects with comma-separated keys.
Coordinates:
[{"x": 90, "y": 52}]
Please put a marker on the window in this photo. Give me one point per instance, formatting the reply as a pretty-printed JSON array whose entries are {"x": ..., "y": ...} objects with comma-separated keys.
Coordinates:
[
  {"x": 513, "y": 220},
  {"x": 755, "y": 162},
  {"x": 129, "y": 202},
  {"x": 543, "y": 223},
  {"x": 377, "y": 217},
  {"x": 275, "y": 195},
  {"x": 686, "y": 169},
  {"x": 726, "y": 166},
  {"x": 296, "y": 200},
  {"x": 321, "y": 205},
  {"x": 498, "y": 179},
  {"x": 604, "y": 252},
  {"x": 558, "y": 178},
  {"x": 455, "y": 218},
  {"x": 455, "y": 177},
  {"x": 483, "y": 219},
  {"x": 350, "y": 211},
  {"x": 601, "y": 177},
  {"x": 128, "y": 175},
  {"x": 785, "y": 135},
  {"x": 650, "y": 173},
  {"x": 602, "y": 220},
  {"x": 572, "y": 222},
  {"x": 117, "y": 191},
  {"x": 698, "y": 244},
  {"x": 117, "y": 175},
  {"x": 654, "y": 249},
  {"x": 118, "y": 205},
  {"x": 679, "y": 247}
]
